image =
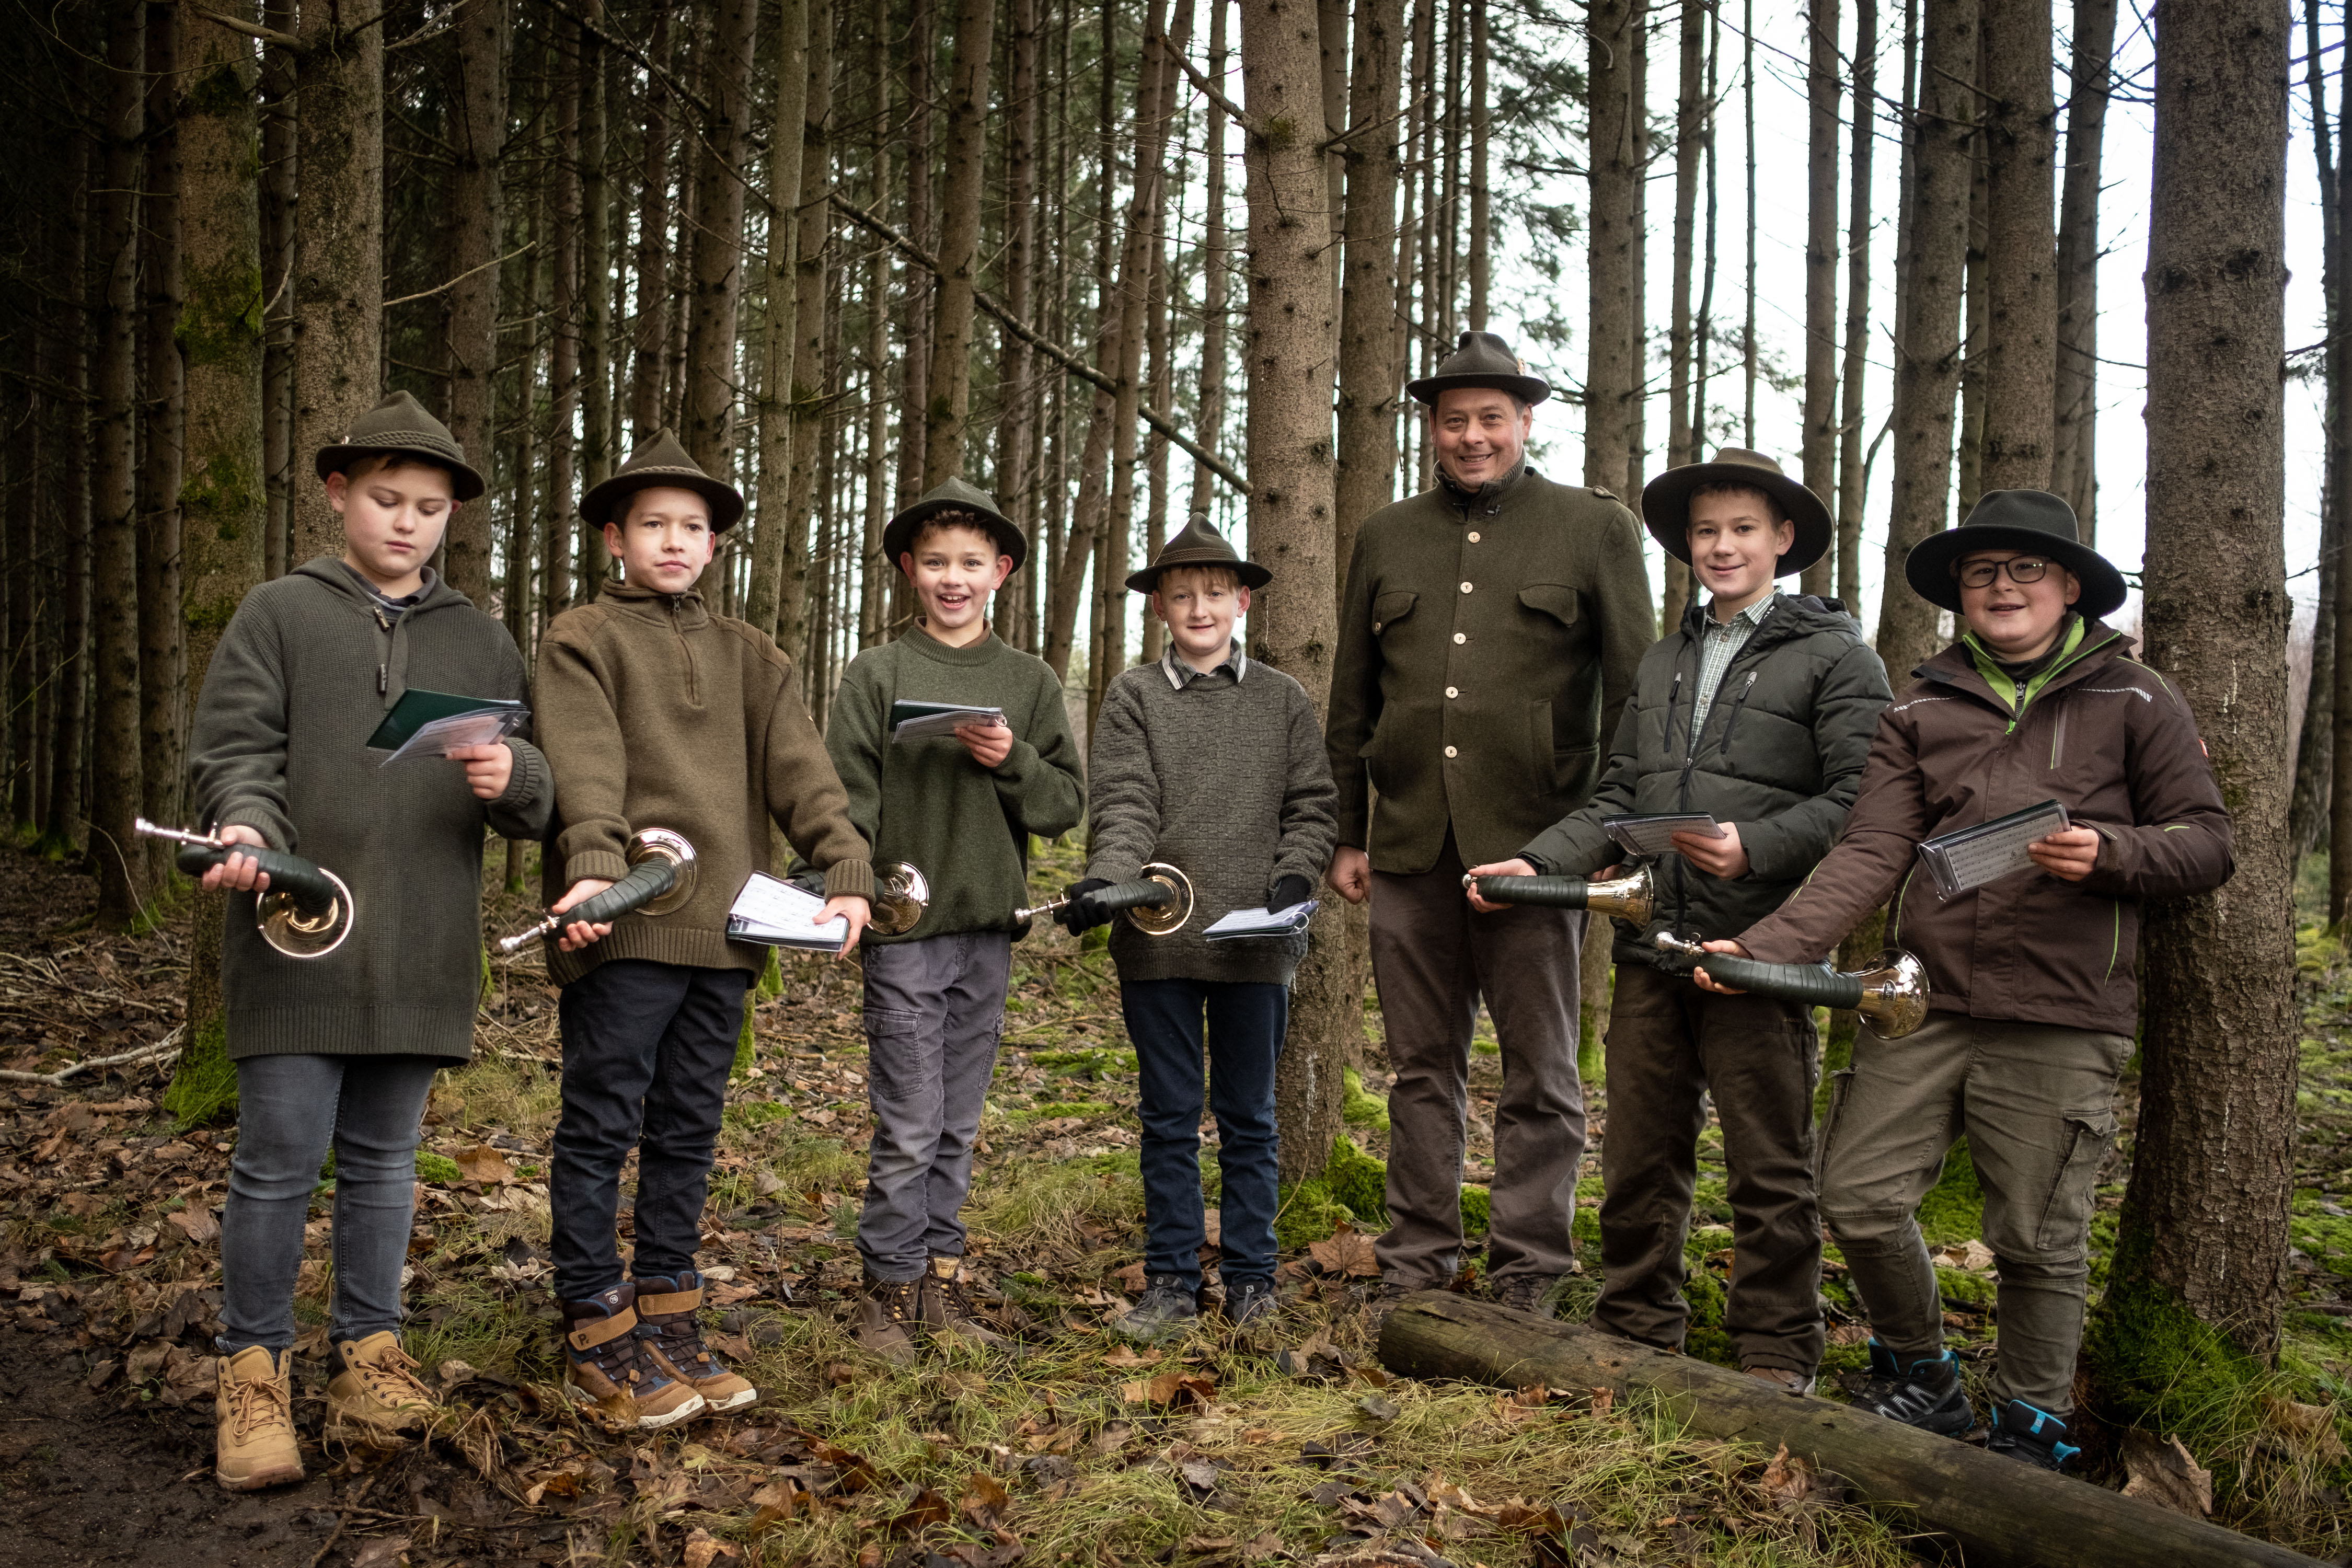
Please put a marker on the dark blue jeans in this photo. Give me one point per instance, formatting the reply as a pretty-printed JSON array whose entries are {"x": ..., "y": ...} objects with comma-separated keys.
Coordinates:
[
  {"x": 291, "y": 1109},
  {"x": 646, "y": 1050},
  {"x": 1246, "y": 1023}
]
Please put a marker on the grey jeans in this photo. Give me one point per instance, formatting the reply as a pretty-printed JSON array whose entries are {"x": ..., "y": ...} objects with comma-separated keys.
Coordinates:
[
  {"x": 1433, "y": 958},
  {"x": 2037, "y": 1103},
  {"x": 934, "y": 1013},
  {"x": 291, "y": 1110}
]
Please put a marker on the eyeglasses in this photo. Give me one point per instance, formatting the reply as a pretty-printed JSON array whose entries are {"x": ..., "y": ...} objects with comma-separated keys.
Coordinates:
[{"x": 2021, "y": 570}]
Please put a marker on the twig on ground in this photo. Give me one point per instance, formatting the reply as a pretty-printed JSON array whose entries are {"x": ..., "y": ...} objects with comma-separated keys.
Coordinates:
[{"x": 166, "y": 1047}]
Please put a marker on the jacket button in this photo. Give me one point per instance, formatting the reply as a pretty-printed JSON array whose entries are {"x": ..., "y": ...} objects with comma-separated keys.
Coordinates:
[
  {"x": 1474, "y": 536},
  {"x": 1465, "y": 587},
  {"x": 1449, "y": 750},
  {"x": 1460, "y": 637},
  {"x": 1376, "y": 626},
  {"x": 1452, "y": 692}
]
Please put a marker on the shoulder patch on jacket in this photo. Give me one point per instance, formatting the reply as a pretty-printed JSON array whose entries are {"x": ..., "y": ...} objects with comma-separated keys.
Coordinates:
[{"x": 1604, "y": 495}]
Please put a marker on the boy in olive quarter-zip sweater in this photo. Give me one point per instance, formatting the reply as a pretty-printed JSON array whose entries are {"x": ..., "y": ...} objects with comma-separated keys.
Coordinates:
[
  {"x": 960, "y": 809},
  {"x": 657, "y": 715},
  {"x": 2032, "y": 976},
  {"x": 338, "y": 1052}
]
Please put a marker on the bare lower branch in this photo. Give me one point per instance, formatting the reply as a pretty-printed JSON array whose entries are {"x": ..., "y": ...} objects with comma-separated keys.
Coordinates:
[
  {"x": 168, "y": 1046},
  {"x": 444, "y": 288},
  {"x": 271, "y": 36}
]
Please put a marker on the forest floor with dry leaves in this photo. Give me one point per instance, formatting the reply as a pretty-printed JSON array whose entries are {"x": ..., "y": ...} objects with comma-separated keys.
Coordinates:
[{"x": 1292, "y": 1445}]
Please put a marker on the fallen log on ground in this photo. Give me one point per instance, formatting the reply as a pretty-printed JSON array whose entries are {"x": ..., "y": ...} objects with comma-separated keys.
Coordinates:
[{"x": 1997, "y": 1511}]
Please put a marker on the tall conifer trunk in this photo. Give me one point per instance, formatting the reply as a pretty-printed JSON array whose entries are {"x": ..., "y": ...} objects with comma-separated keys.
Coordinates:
[
  {"x": 115, "y": 799},
  {"x": 1852, "y": 407},
  {"x": 478, "y": 141},
  {"x": 1818, "y": 452},
  {"x": 949, "y": 389},
  {"x": 718, "y": 241},
  {"x": 2074, "y": 450},
  {"x": 2020, "y": 343},
  {"x": 1616, "y": 158},
  {"x": 162, "y": 649}
]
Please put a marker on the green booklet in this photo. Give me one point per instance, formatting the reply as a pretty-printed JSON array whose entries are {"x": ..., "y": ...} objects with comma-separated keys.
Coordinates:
[
  {"x": 922, "y": 721},
  {"x": 433, "y": 724}
]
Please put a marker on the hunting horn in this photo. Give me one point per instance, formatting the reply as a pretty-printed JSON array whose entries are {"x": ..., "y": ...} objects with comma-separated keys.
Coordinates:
[
  {"x": 1157, "y": 904},
  {"x": 1633, "y": 897},
  {"x": 661, "y": 879},
  {"x": 901, "y": 895},
  {"x": 305, "y": 912},
  {"x": 1892, "y": 992}
]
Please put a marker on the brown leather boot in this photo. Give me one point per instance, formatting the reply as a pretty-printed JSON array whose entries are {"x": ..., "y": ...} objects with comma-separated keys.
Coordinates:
[
  {"x": 609, "y": 1368},
  {"x": 665, "y": 1322},
  {"x": 375, "y": 1386},
  {"x": 942, "y": 1307},
  {"x": 888, "y": 1312},
  {"x": 253, "y": 1411}
]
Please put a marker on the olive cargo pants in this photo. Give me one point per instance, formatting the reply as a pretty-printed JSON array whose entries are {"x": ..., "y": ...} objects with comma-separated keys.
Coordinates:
[
  {"x": 1670, "y": 1044},
  {"x": 1433, "y": 958},
  {"x": 2037, "y": 1103}
]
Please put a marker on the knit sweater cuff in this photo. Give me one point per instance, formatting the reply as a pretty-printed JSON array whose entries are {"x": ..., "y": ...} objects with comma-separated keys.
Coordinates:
[
  {"x": 849, "y": 879},
  {"x": 271, "y": 825},
  {"x": 527, "y": 779},
  {"x": 597, "y": 863}
]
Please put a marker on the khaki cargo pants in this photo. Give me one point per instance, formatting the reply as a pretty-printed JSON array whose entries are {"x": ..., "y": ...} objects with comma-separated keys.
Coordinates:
[{"x": 2037, "y": 1104}]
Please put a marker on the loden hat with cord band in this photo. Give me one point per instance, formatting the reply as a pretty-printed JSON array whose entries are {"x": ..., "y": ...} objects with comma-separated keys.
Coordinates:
[
  {"x": 2031, "y": 521},
  {"x": 400, "y": 425},
  {"x": 1198, "y": 544},
  {"x": 660, "y": 461},
  {"x": 1481, "y": 358},
  {"x": 1666, "y": 505},
  {"x": 953, "y": 494}
]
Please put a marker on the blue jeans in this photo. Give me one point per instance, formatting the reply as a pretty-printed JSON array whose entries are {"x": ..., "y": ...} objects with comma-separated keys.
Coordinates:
[
  {"x": 1246, "y": 1022},
  {"x": 291, "y": 1110},
  {"x": 646, "y": 1050}
]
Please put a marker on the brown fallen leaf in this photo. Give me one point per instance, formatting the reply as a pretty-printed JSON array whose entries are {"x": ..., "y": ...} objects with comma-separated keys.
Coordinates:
[
  {"x": 196, "y": 1224},
  {"x": 485, "y": 1165},
  {"x": 1169, "y": 1388},
  {"x": 1787, "y": 1482},
  {"x": 924, "y": 1510},
  {"x": 1602, "y": 1400},
  {"x": 382, "y": 1552},
  {"x": 1124, "y": 1357},
  {"x": 702, "y": 1548},
  {"x": 2312, "y": 1426},
  {"x": 1347, "y": 1254},
  {"x": 1130, "y": 1279},
  {"x": 2166, "y": 1474},
  {"x": 985, "y": 1499}
]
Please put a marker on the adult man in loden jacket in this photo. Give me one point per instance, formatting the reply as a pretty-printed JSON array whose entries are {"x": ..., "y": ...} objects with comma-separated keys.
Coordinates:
[
  {"x": 1490, "y": 628},
  {"x": 2033, "y": 976}
]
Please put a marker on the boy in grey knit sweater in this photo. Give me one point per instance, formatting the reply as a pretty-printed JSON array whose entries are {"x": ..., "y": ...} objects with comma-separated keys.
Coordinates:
[{"x": 1214, "y": 765}]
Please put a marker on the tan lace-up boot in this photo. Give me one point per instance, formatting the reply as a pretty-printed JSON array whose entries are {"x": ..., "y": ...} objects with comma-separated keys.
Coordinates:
[
  {"x": 944, "y": 1308},
  {"x": 253, "y": 1409},
  {"x": 886, "y": 1311},
  {"x": 375, "y": 1385},
  {"x": 666, "y": 1322},
  {"x": 608, "y": 1368}
]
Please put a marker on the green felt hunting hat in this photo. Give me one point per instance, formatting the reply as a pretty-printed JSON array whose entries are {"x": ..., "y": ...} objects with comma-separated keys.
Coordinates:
[
  {"x": 954, "y": 495},
  {"x": 2034, "y": 521},
  {"x": 1198, "y": 544},
  {"x": 661, "y": 461},
  {"x": 399, "y": 424},
  {"x": 1481, "y": 358},
  {"x": 1666, "y": 505}
]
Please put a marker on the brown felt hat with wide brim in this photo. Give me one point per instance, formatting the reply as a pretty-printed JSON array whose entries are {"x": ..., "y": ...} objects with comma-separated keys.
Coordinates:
[
  {"x": 2033, "y": 521},
  {"x": 399, "y": 425},
  {"x": 1481, "y": 358},
  {"x": 1198, "y": 544},
  {"x": 954, "y": 495},
  {"x": 661, "y": 463},
  {"x": 1666, "y": 505}
]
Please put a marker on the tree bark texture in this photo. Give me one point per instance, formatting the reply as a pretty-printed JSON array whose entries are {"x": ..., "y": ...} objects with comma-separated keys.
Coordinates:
[
  {"x": 477, "y": 141},
  {"x": 2308, "y": 810},
  {"x": 1369, "y": 318},
  {"x": 1689, "y": 108},
  {"x": 1928, "y": 358},
  {"x": 115, "y": 853},
  {"x": 1852, "y": 410},
  {"x": 652, "y": 336},
  {"x": 1016, "y": 484},
  {"x": 810, "y": 263},
  {"x": 1617, "y": 157},
  {"x": 2074, "y": 396},
  {"x": 1818, "y": 450},
  {"x": 161, "y": 651},
  {"x": 779, "y": 574},
  {"x": 718, "y": 239},
  {"x": 69, "y": 711},
  {"x": 1288, "y": 355},
  {"x": 963, "y": 165},
  {"x": 2021, "y": 247},
  {"x": 2204, "y": 1224},
  {"x": 277, "y": 160}
]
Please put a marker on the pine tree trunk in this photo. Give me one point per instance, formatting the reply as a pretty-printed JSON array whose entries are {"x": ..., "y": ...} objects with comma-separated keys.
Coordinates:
[
  {"x": 1928, "y": 360},
  {"x": 915, "y": 333},
  {"x": 1689, "y": 112},
  {"x": 67, "y": 729},
  {"x": 225, "y": 499},
  {"x": 560, "y": 522},
  {"x": 1210, "y": 405},
  {"x": 2021, "y": 247},
  {"x": 1975, "y": 310},
  {"x": 477, "y": 141},
  {"x": 115, "y": 795},
  {"x": 718, "y": 240},
  {"x": 1747, "y": 330},
  {"x": 779, "y": 570},
  {"x": 1618, "y": 158},
  {"x": 2075, "y": 448},
  {"x": 27, "y": 455},
  {"x": 1481, "y": 266},
  {"x": 1818, "y": 451},
  {"x": 2315, "y": 755},
  {"x": 596, "y": 455},
  {"x": 1291, "y": 502},
  {"x": 651, "y": 342},
  {"x": 2203, "y": 1236},
  {"x": 277, "y": 180},
  {"x": 1018, "y": 401},
  {"x": 875, "y": 572},
  {"x": 339, "y": 262},
  {"x": 1852, "y": 407},
  {"x": 162, "y": 647},
  {"x": 963, "y": 165},
  {"x": 810, "y": 264},
  {"x": 1369, "y": 318}
]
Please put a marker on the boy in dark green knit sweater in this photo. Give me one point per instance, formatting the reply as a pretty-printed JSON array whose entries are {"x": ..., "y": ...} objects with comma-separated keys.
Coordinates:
[
  {"x": 338, "y": 1052},
  {"x": 1214, "y": 765},
  {"x": 961, "y": 811},
  {"x": 657, "y": 715}
]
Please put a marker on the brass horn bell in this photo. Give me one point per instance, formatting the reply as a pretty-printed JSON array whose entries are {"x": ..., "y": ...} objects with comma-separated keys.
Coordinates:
[
  {"x": 305, "y": 912},
  {"x": 662, "y": 874},
  {"x": 901, "y": 894},
  {"x": 1630, "y": 898},
  {"x": 1157, "y": 904},
  {"x": 1891, "y": 992}
]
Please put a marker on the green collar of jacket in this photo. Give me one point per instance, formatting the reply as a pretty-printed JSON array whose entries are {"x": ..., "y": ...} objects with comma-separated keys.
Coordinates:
[{"x": 2003, "y": 685}]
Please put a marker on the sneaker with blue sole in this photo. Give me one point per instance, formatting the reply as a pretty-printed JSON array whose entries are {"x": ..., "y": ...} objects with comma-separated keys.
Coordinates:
[{"x": 2029, "y": 1434}]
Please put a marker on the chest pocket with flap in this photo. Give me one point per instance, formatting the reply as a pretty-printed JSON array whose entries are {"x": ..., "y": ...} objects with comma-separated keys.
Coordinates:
[
  {"x": 1390, "y": 608},
  {"x": 1557, "y": 600}
]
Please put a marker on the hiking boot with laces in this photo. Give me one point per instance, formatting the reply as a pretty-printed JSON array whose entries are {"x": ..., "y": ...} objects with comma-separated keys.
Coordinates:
[
  {"x": 887, "y": 1311},
  {"x": 375, "y": 1385},
  {"x": 666, "y": 1323},
  {"x": 1918, "y": 1391},
  {"x": 607, "y": 1368},
  {"x": 943, "y": 1307},
  {"x": 1526, "y": 1293},
  {"x": 2032, "y": 1434},
  {"x": 253, "y": 1416},
  {"x": 1170, "y": 1306},
  {"x": 1787, "y": 1379},
  {"x": 1251, "y": 1304}
]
